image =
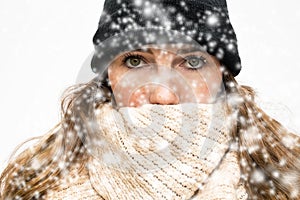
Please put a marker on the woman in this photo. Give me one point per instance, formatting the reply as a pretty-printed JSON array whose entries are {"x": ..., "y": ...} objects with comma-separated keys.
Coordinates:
[{"x": 163, "y": 119}]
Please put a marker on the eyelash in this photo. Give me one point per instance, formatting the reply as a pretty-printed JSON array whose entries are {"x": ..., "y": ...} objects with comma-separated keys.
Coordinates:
[{"x": 128, "y": 55}]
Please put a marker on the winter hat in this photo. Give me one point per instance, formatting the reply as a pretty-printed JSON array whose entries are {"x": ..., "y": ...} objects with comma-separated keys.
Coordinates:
[{"x": 128, "y": 24}]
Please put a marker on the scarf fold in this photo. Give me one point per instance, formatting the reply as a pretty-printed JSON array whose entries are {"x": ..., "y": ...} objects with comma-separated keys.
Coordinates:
[{"x": 164, "y": 152}]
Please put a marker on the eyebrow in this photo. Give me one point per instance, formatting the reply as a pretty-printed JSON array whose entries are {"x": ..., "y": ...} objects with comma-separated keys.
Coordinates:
[
  {"x": 180, "y": 51},
  {"x": 189, "y": 50},
  {"x": 147, "y": 50}
]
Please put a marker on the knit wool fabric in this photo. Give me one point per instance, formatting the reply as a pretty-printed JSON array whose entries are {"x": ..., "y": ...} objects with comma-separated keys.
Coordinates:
[{"x": 161, "y": 152}]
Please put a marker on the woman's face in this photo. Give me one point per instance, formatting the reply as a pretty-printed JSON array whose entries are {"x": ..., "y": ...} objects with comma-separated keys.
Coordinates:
[{"x": 168, "y": 74}]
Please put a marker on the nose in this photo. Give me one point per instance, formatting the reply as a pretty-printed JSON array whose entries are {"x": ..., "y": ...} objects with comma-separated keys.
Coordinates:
[{"x": 163, "y": 96}]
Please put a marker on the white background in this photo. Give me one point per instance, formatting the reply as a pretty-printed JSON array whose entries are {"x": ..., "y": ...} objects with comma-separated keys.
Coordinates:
[{"x": 44, "y": 43}]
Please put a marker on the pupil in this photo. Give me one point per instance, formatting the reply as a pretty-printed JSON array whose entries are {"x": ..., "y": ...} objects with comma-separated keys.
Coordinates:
[
  {"x": 194, "y": 62},
  {"x": 135, "y": 61}
]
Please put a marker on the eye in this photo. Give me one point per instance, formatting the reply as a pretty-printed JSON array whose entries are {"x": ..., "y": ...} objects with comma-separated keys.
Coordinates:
[
  {"x": 133, "y": 61},
  {"x": 194, "y": 62}
]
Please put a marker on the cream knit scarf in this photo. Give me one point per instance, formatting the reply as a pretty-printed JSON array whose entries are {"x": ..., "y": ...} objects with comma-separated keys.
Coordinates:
[{"x": 164, "y": 152}]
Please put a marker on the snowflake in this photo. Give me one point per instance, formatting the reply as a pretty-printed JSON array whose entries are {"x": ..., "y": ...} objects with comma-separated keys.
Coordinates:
[
  {"x": 212, "y": 44},
  {"x": 289, "y": 141},
  {"x": 180, "y": 18},
  {"x": 61, "y": 165},
  {"x": 230, "y": 47},
  {"x": 148, "y": 11},
  {"x": 282, "y": 162},
  {"x": 36, "y": 164},
  {"x": 220, "y": 53},
  {"x": 212, "y": 20},
  {"x": 138, "y": 2},
  {"x": 208, "y": 36},
  {"x": 253, "y": 148},
  {"x": 257, "y": 176}
]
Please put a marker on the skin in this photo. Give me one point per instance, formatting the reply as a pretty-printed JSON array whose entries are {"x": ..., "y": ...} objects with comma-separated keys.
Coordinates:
[{"x": 165, "y": 75}]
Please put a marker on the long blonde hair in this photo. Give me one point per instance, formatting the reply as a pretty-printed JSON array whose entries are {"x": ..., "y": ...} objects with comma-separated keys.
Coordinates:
[{"x": 270, "y": 168}]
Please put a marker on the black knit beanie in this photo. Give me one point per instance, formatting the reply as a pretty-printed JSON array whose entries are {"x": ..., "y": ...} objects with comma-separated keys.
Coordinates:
[{"x": 129, "y": 24}]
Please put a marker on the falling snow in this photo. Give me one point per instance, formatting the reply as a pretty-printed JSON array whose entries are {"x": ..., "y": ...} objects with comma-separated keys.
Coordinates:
[
  {"x": 257, "y": 176},
  {"x": 212, "y": 20},
  {"x": 221, "y": 45}
]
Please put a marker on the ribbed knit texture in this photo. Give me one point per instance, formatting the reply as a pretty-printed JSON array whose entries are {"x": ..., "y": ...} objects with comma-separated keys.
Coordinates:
[{"x": 161, "y": 152}]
